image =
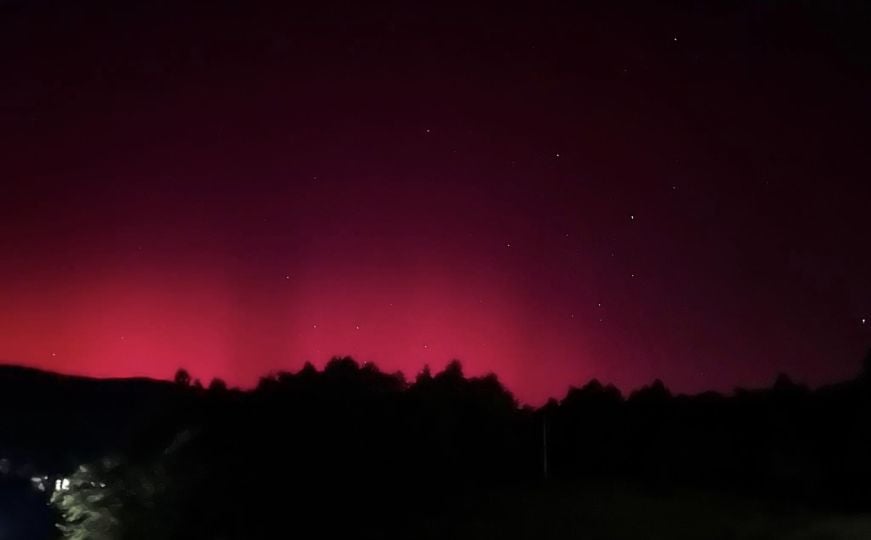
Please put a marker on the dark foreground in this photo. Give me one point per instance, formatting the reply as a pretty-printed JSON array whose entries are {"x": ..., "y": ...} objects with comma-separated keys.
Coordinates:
[
  {"x": 349, "y": 451},
  {"x": 624, "y": 513},
  {"x": 560, "y": 513}
]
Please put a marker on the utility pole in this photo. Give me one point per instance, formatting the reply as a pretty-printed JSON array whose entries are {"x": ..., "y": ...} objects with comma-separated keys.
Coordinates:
[{"x": 544, "y": 446}]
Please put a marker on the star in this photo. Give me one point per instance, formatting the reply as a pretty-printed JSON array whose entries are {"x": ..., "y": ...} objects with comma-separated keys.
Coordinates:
[
  {"x": 557, "y": 154},
  {"x": 632, "y": 217},
  {"x": 314, "y": 326},
  {"x": 357, "y": 327},
  {"x": 864, "y": 320},
  {"x": 54, "y": 354},
  {"x": 508, "y": 244}
]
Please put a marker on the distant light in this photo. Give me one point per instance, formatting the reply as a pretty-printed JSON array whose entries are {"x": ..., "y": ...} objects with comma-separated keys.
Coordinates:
[{"x": 61, "y": 484}]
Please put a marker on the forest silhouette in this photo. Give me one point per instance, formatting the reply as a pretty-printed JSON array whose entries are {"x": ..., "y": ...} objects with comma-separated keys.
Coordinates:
[{"x": 351, "y": 450}]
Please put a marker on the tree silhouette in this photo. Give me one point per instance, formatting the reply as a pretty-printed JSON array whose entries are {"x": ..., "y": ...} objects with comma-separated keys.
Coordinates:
[
  {"x": 227, "y": 464},
  {"x": 217, "y": 385},
  {"x": 182, "y": 377}
]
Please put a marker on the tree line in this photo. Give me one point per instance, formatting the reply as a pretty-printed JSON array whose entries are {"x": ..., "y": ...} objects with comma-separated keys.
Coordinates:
[{"x": 351, "y": 449}]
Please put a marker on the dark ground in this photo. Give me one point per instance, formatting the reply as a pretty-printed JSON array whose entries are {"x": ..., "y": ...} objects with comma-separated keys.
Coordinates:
[
  {"x": 624, "y": 513},
  {"x": 599, "y": 512}
]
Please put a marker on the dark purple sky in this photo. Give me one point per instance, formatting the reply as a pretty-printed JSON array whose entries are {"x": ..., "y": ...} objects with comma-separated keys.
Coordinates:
[{"x": 548, "y": 192}]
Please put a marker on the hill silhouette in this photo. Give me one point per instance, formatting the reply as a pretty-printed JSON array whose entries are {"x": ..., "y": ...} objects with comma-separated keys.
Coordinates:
[{"x": 352, "y": 450}]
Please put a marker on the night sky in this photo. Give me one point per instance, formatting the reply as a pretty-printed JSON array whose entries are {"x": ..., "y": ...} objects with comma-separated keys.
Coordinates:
[{"x": 550, "y": 192}]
